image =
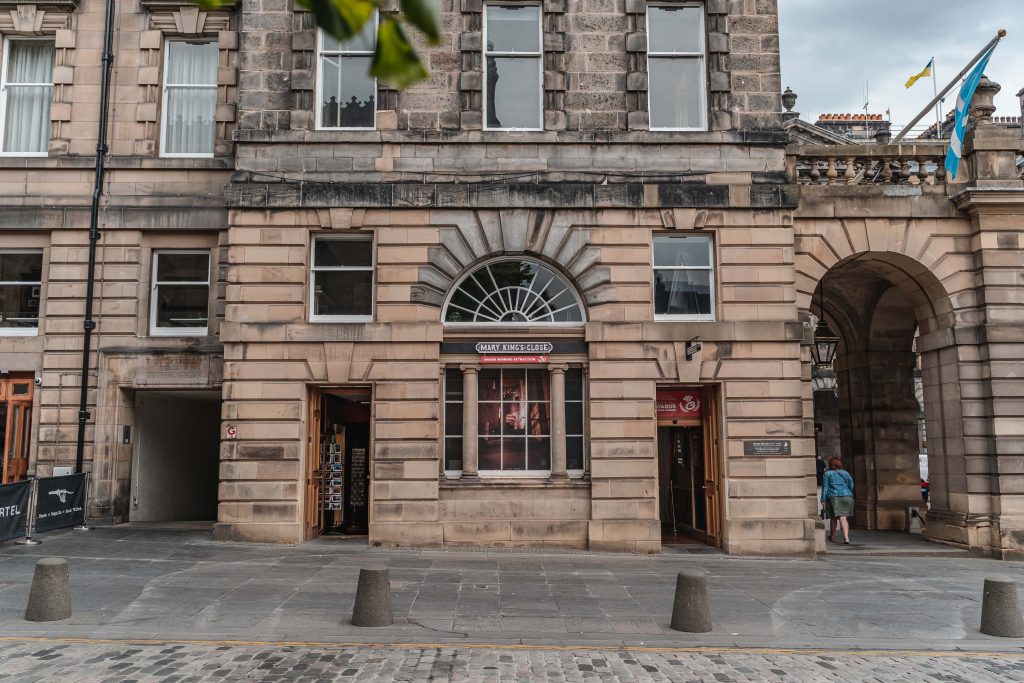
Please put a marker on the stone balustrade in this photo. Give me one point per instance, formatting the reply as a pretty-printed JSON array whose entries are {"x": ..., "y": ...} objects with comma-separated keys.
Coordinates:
[{"x": 906, "y": 164}]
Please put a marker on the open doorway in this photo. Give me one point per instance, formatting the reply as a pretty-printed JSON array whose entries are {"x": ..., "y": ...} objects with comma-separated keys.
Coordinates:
[
  {"x": 337, "y": 462},
  {"x": 176, "y": 460},
  {"x": 688, "y": 466},
  {"x": 15, "y": 425}
]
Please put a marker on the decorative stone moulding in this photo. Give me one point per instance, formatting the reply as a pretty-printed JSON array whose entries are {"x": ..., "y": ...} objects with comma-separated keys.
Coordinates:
[{"x": 34, "y": 19}]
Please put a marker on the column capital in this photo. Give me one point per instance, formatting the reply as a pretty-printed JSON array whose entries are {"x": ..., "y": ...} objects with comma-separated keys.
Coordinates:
[
  {"x": 469, "y": 368},
  {"x": 558, "y": 367}
]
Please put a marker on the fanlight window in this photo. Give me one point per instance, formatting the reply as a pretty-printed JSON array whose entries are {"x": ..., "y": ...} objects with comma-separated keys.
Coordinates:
[{"x": 513, "y": 292}]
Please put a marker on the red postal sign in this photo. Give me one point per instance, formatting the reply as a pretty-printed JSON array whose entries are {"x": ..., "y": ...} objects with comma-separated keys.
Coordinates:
[{"x": 673, "y": 404}]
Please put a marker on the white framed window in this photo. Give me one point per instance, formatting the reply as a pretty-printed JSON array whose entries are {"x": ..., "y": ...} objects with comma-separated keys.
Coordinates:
[
  {"x": 346, "y": 93},
  {"x": 510, "y": 292},
  {"x": 676, "y": 72},
  {"x": 684, "y": 277},
  {"x": 180, "y": 298},
  {"x": 453, "y": 426},
  {"x": 26, "y": 90},
  {"x": 575, "y": 422},
  {"x": 513, "y": 84},
  {"x": 341, "y": 279},
  {"x": 21, "y": 279},
  {"x": 187, "y": 124}
]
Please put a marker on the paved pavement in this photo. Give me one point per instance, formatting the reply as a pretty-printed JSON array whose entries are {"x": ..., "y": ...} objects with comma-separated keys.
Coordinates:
[
  {"x": 589, "y": 615},
  {"x": 67, "y": 662}
]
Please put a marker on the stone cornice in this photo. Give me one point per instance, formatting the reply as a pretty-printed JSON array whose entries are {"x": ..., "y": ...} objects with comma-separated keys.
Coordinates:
[
  {"x": 248, "y": 192},
  {"x": 994, "y": 199}
]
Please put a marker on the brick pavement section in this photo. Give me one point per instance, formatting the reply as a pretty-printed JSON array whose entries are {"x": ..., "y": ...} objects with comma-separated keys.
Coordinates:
[{"x": 110, "y": 662}]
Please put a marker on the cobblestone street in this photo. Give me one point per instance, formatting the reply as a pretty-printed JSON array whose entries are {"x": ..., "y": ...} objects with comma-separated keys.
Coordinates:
[{"x": 105, "y": 661}]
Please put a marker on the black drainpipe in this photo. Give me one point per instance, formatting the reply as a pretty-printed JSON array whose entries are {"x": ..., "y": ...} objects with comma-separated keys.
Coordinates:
[{"x": 94, "y": 232}]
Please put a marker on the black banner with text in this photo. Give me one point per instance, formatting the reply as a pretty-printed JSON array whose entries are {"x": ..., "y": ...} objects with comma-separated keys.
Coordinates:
[
  {"x": 14, "y": 509},
  {"x": 60, "y": 502}
]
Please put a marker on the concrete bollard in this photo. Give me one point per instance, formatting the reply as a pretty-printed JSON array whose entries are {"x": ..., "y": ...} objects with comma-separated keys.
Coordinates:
[
  {"x": 691, "y": 611},
  {"x": 1000, "y": 612},
  {"x": 50, "y": 596},
  {"x": 373, "y": 599}
]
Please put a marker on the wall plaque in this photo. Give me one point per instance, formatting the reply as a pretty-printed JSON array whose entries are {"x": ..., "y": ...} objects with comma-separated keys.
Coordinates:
[{"x": 768, "y": 447}]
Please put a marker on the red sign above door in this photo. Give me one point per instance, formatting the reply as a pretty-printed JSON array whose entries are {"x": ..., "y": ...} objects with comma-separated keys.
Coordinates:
[
  {"x": 673, "y": 404},
  {"x": 513, "y": 359}
]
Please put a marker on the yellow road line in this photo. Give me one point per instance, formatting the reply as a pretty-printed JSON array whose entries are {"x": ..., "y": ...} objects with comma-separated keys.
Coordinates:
[{"x": 703, "y": 649}]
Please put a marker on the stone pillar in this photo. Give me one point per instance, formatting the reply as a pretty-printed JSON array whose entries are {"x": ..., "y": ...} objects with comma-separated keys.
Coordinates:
[
  {"x": 558, "y": 421},
  {"x": 470, "y": 416}
]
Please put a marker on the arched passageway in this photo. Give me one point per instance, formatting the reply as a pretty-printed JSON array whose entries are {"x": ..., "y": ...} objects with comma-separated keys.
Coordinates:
[{"x": 878, "y": 303}]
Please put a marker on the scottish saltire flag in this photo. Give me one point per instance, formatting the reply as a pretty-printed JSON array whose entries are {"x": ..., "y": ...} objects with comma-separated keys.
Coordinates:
[
  {"x": 963, "y": 103},
  {"x": 927, "y": 71}
]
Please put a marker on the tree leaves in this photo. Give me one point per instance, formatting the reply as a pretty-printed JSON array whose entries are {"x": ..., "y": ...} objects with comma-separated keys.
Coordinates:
[{"x": 395, "y": 61}]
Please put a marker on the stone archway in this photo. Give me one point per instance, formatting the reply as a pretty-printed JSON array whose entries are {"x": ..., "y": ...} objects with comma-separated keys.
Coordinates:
[{"x": 879, "y": 301}]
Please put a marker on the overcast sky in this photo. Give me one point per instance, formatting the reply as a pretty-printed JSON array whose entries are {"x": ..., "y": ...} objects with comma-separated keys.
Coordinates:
[{"x": 829, "y": 49}]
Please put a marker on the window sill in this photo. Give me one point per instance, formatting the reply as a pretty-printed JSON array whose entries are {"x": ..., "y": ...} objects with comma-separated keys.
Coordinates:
[
  {"x": 117, "y": 162},
  {"x": 19, "y": 332},
  {"x": 515, "y": 483}
]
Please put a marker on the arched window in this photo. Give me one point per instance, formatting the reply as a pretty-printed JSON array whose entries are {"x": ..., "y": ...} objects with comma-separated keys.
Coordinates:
[{"x": 513, "y": 291}]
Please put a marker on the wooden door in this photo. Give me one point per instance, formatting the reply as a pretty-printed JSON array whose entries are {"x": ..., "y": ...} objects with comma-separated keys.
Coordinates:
[
  {"x": 311, "y": 507},
  {"x": 712, "y": 466},
  {"x": 15, "y": 426}
]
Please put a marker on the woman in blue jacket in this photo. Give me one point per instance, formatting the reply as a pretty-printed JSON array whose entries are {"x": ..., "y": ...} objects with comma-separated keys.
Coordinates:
[{"x": 837, "y": 498}]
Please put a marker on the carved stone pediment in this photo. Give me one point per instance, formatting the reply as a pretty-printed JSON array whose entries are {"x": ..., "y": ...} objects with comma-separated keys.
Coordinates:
[{"x": 33, "y": 19}]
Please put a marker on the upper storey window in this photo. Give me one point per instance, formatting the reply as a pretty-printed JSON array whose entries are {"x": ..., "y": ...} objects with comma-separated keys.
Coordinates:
[
  {"x": 21, "y": 276},
  {"x": 190, "y": 98},
  {"x": 25, "y": 94},
  {"x": 346, "y": 93},
  {"x": 684, "y": 277},
  {"x": 513, "y": 67},
  {"x": 675, "y": 66}
]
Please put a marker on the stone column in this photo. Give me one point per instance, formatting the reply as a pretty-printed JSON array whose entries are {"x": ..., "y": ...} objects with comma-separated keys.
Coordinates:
[
  {"x": 558, "y": 421},
  {"x": 470, "y": 416}
]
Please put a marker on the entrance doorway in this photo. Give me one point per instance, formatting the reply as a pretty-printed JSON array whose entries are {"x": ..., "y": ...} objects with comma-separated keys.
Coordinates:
[
  {"x": 15, "y": 425},
  {"x": 688, "y": 466},
  {"x": 176, "y": 460},
  {"x": 337, "y": 462}
]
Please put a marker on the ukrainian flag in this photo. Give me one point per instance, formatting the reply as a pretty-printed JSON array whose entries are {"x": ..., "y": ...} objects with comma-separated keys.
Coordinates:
[{"x": 927, "y": 71}]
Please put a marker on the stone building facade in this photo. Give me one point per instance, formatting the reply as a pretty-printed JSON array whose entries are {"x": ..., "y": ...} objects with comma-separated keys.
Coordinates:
[{"x": 586, "y": 326}]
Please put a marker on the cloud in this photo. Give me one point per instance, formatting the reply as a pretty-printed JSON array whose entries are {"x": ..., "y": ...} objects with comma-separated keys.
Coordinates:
[{"x": 830, "y": 49}]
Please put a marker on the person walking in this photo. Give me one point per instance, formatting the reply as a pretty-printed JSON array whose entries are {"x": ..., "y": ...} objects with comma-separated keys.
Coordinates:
[{"x": 837, "y": 498}]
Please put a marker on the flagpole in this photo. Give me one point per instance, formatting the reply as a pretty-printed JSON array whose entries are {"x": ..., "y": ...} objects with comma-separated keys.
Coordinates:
[
  {"x": 938, "y": 105},
  {"x": 977, "y": 58}
]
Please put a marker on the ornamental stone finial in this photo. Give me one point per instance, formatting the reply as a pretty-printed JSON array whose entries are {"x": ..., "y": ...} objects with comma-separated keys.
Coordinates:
[{"x": 983, "y": 103}]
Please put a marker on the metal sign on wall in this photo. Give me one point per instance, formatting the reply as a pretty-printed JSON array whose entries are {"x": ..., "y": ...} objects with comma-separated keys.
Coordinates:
[
  {"x": 520, "y": 348},
  {"x": 768, "y": 447},
  {"x": 674, "y": 404}
]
